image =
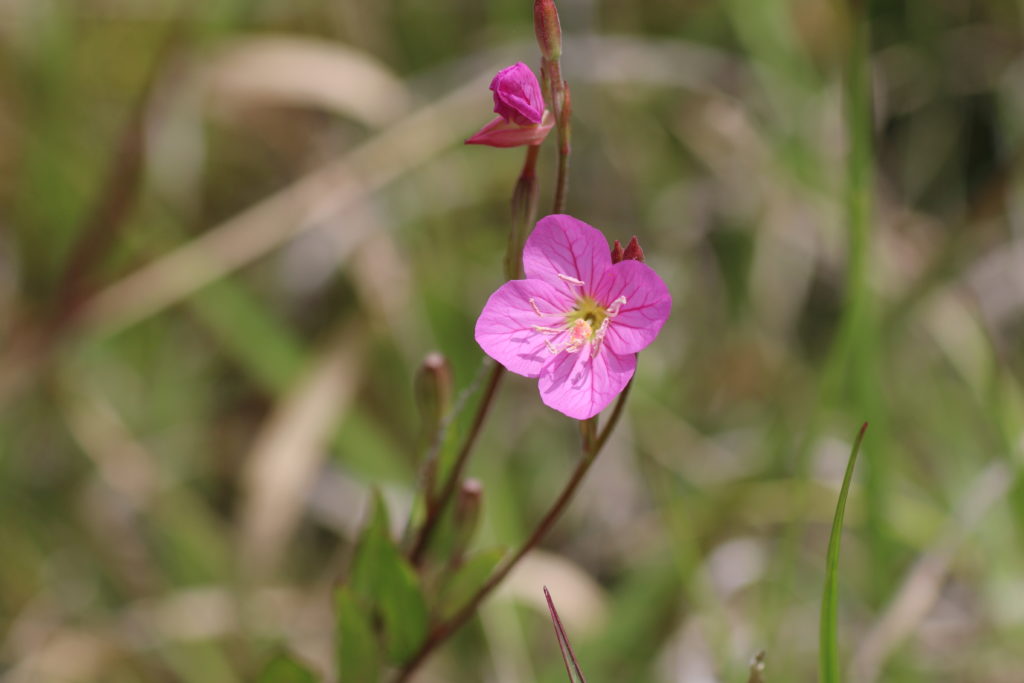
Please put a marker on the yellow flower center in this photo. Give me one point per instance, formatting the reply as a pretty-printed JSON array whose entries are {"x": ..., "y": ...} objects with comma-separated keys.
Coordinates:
[{"x": 589, "y": 312}]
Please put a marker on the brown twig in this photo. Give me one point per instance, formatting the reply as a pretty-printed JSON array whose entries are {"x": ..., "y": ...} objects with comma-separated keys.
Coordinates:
[
  {"x": 27, "y": 350},
  {"x": 118, "y": 193}
]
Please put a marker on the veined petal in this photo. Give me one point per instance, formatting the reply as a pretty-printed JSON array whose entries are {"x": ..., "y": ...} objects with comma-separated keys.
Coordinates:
[
  {"x": 648, "y": 304},
  {"x": 581, "y": 385},
  {"x": 506, "y": 329},
  {"x": 561, "y": 245},
  {"x": 502, "y": 133}
]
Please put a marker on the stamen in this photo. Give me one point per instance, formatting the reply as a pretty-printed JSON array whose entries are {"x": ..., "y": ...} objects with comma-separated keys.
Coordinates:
[
  {"x": 540, "y": 313},
  {"x": 570, "y": 279},
  {"x": 613, "y": 310},
  {"x": 599, "y": 337}
]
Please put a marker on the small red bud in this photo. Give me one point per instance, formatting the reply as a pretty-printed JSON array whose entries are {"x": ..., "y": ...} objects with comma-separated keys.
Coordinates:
[
  {"x": 548, "y": 28},
  {"x": 633, "y": 251},
  {"x": 616, "y": 252}
]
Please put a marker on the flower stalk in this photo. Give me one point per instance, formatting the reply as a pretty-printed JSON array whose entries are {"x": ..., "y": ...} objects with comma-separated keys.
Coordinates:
[
  {"x": 584, "y": 317},
  {"x": 548, "y": 28},
  {"x": 592, "y": 442},
  {"x": 524, "y": 212}
]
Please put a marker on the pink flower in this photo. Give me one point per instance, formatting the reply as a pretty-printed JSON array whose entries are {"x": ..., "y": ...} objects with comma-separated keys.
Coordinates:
[
  {"x": 519, "y": 104},
  {"x": 577, "y": 321}
]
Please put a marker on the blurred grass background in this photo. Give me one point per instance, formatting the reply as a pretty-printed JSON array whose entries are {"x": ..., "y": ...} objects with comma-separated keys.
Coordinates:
[{"x": 230, "y": 230}]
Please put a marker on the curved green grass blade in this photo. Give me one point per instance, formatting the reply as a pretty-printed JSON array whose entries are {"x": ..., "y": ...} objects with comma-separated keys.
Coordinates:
[{"x": 828, "y": 632}]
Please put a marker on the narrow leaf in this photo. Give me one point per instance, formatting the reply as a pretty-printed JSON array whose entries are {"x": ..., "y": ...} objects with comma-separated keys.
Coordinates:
[
  {"x": 828, "y": 631},
  {"x": 384, "y": 584},
  {"x": 404, "y": 610},
  {"x": 366, "y": 577},
  {"x": 572, "y": 666},
  {"x": 286, "y": 669},
  {"x": 358, "y": 654}
]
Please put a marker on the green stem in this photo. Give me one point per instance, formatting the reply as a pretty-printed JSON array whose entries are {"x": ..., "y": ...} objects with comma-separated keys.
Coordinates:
[
  {"x": 524, "y": 211},
  {"x": 436, "y": 506},
  {"x": 591, "y": 444},
  {"x": 561, "y": 109}
]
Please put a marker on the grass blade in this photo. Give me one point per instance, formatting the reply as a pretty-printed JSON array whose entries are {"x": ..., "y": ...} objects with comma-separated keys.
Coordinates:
[
  {"x": 572, "y": 667},
  {"x": 828, "y": 632}
]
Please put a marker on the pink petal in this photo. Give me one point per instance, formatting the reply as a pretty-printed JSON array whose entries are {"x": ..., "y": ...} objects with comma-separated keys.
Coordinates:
[
  {"x": 580, "y": 385},
  {"x": 563, "y": 245},
  {"x": 505, "y": 328},
  {"x": 648, "y": 304},
  {"x": 517, "y": 95},
  {"x": 502, "y": 133}
]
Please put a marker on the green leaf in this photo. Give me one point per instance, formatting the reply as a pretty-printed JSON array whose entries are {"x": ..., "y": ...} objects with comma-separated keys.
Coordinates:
[
  {"x": 405, "y": 612},
  {"x": 372, "y": 552},
  {"x": 285, "y": 669},
  {"x": 384, "y": 582},
  {"x": 828, "y": 631},
  {"x": 467, "y": 579},
  {"x": 358, "y": 654}
]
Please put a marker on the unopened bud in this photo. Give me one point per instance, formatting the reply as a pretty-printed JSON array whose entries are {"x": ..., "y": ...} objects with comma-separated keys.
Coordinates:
[
  {"x": 467, "y": 514},
  {"x": 433, "y": 387},
  {"x": 548, "y": 28},
  {"x": 616, "y": 252},
  {"x": 633, "y": 252}
]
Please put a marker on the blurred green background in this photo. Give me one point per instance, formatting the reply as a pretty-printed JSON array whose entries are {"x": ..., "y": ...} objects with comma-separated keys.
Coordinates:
[{"x": 230, "y": 231}]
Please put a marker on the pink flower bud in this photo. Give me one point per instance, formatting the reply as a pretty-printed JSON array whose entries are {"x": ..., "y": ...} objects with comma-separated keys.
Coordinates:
[
  {"x": 522, "y": 118},
  {"x": 517, "y": 96}
]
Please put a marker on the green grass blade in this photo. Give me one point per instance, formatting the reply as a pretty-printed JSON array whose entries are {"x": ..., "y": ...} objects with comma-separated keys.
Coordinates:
[
  {"x": 828, "y": 632},
  {"x": 572, "y": 666}
]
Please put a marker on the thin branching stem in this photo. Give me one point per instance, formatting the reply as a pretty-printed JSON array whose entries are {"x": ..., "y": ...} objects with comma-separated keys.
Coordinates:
[
  {"x": 435, "y": 510},
  {"x": 561, "y": 109},
  {"x": 524, "y": 210},
  {"x": 591, "y": 444}
]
